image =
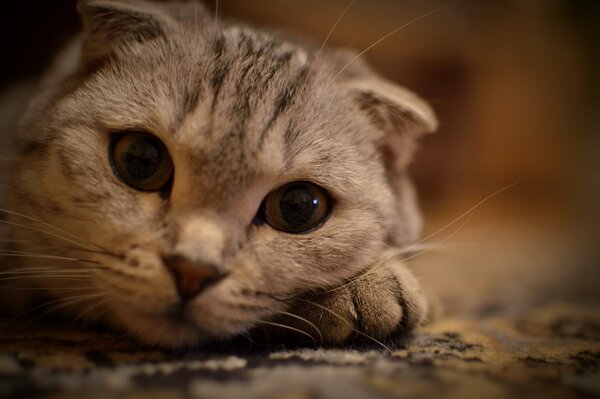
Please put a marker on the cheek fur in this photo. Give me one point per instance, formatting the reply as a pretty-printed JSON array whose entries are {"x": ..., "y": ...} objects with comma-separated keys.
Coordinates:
[{"x": 328, "y": 256}]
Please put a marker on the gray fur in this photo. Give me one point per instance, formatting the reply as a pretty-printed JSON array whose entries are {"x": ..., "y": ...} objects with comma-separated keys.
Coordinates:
[{"x": 242, "y": 112}]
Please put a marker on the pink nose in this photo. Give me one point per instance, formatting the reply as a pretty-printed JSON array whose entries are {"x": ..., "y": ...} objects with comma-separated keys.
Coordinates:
[{"x": 191, "y": 278}]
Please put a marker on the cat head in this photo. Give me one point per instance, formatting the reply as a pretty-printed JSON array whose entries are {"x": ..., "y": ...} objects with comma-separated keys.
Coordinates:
[{"x": 194, "y": 174}]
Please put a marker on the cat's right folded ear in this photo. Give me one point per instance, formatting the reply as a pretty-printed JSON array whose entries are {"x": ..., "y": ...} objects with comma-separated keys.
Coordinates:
[{"x": 112, "y": 25}]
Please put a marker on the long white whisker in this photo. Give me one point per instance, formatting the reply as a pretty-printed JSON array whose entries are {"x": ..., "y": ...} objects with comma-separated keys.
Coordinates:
[
  {"x": 90, "y": 308},
  {"x": 51, "y": 246},
  {"x": 394, "y": 32},
  {"x": 17, "y": 271},
  {"x": 69, "y": 300},
  {"x": 412, "y": 247},
  {"x": 18, "y": 288},
  {"x": 41, "y": 256},
  {"x": 44, "y": 289},
  {"x": 270, "y": 323},
  {"x": 334, "y": 27},
  {"x": 395, "y": 253},
  {"x": 325, "y": 42},
  {"x": 347, "y": 323},
  {"x": 302, "y": 319},
  {"x": 14, "y": 251},
  {"x": 58, "y": 229},
  {"x": 65, "y": 303},
  {"x": 472, "y": 209},
  {"x": 44, "y": 272},
  {"x": 441, "y": 243},
  {"x": 43, "y": 231},
  {"x": 43, "y": 275}
]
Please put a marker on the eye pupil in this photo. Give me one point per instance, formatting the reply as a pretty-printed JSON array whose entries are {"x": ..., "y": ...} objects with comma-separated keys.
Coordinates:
[
  {"x": 141, "y": 161},
  {"x": 296, "y": 207}
]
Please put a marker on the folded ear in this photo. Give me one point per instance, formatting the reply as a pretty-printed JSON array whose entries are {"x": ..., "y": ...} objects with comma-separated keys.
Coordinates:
[
  {"x": 399, "y": 115},
  {"x": 109, "y": 24}
]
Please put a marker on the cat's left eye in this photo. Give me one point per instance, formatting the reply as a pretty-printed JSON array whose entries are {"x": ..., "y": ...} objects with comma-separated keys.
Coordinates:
[
  {"x": 296, "y": 207},
  {"x": 141, "y": 161}
]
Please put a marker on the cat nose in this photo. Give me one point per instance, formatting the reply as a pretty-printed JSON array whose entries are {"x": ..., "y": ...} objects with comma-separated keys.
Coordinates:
[{"x": 191, "y": 278}]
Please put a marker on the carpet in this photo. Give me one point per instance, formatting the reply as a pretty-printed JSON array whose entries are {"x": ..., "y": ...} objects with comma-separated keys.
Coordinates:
[{"x": 554, "y": 351}]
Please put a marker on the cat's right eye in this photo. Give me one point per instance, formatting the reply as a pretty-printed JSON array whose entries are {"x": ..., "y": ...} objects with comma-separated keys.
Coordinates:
[{"x": 141, "y": 161}]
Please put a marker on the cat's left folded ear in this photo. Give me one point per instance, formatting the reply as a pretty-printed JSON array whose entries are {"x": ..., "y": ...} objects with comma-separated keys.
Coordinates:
[
  {"x": 113, "y": 25},
  {"x": 110, "y": 24},
  {"x": 399, "y": 115}
]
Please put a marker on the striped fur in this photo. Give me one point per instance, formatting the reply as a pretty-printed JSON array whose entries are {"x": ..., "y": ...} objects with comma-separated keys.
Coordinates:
[{"x": 242, "y": 111}]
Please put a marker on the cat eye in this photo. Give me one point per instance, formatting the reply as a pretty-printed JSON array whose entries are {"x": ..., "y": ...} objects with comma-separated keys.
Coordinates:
[
  {"x": 296, "y": 207},
  {"x": 141, "y": 161}
]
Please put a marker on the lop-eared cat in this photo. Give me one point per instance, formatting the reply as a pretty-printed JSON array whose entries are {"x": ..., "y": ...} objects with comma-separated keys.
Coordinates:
[{"x": 185, "y": 179}]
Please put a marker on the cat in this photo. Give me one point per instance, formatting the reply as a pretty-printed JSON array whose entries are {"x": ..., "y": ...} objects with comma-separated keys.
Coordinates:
[{"x": 185, "y": 179}]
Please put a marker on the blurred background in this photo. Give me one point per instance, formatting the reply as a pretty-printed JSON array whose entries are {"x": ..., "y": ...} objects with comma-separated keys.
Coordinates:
[{"x": 516, "y": 86}]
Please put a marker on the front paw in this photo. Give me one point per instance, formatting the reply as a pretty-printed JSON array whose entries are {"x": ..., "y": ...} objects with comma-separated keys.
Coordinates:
[{"x": 384, "y": 300}]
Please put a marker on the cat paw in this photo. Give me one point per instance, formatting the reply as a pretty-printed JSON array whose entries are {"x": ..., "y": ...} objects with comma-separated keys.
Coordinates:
[{"x": 383, "y": 301}]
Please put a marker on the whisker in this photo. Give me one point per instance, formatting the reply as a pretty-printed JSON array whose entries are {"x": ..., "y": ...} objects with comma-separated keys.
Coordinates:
[
  {"x": 414, "y": 248},
  {"x": 50, "y": 246},
  {"x": 9, "y": 287},
  {"x": 248, "y": 338},
  {"x": 42, "y": 256},
  {"x": 89, "y": 309},
  {"x": 441, "y": 243},
  {"x": 46, "y": 274},
  {"x": 97, "y": 316},
  {"x": 295, "y": 316},
  {"x": 46, "y": 277},
  {"x": 43, "y": 231},
  {"x": 65, "y": 303},
  {"x": 334, "y": 27},
  {"x": 396, "y": 31},
  {"x": 270, "y": 323},
  {"x": 75, "y": 299},
  {"x": 68, "y": 234},
  {"x": 314, "y": 60},
  {"x": 42, "y": 223},
  {"x": 472, "y": 209},
  {"x": 381, "y": 344},
  {"x": 47, "y": 271},
  {"x": 105, "y": 252},
  {"x": 395, "y": 253},
  {"x": 410, "y": 248}
]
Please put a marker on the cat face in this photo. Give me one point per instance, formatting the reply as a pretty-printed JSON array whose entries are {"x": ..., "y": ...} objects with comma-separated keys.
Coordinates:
[{"x": 203, "y": 173}]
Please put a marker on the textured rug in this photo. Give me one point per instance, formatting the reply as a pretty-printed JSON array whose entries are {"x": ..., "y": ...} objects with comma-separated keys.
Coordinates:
[{"x": 553, "y": 351}]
